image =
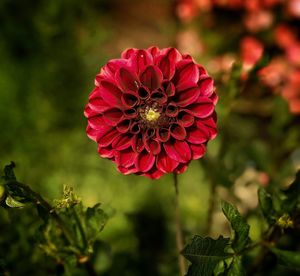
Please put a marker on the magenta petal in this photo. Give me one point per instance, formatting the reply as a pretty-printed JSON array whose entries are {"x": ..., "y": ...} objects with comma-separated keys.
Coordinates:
[
  {"x": 197, "y": 150},
  {"x": 125, "y": 158},
  {"x": 108, "y": 137},
  {"x": 112, "y": 116},
  {"x": 124, "y": 141},
  {"x": 178, "y": 150},
  {"x": 110, "y": 93},
  {"x": 178, "y": 131},
  {"x": 126, "y": 80},
  {"x": 105, "y": 152},
  {"x": 151, "y": 77},
  {"x": 165, "y": 163},
  {"x": 187, "y": 96},
  {"x": 144, "y": 161}
]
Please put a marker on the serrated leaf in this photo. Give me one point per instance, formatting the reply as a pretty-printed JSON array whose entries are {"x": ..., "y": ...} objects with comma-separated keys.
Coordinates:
[
  {"x": 205, "y": 254},
  {"x": 239, "y": 226},
  {"x": 11, "y": 202},
  {"x": 292, "y": 194},
  {"x": 288, "y": 258},
  {"x": 266, "y": 205},
  {"x": 96, "y": 219},
  {"x": 236, "y": 267}
]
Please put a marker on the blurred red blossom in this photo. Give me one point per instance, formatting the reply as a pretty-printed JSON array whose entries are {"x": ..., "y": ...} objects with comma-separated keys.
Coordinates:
[
  {"x": 274, "y": 74},
  {"x": 284, "y": 36},
  {"x": 291, "y": 91},
  {"x": 152, "y": 111},
  {"x": 258, "y": 20},
  {"x": 251, "y": 52},
  {"x": 293, "y": 8}
]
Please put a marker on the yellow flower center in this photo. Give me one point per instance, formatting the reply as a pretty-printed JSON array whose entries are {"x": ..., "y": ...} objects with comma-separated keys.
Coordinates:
[{"x": 152, "y": 115}]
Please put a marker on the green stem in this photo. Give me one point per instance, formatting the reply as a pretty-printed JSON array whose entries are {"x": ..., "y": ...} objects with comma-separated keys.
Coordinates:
[
  {"x": 80, "y": 227},
  {"x": 179, "y": 237}
]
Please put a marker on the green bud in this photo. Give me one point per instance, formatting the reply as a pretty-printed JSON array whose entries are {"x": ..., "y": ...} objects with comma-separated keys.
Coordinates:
[{"x": 285, "y": 221}]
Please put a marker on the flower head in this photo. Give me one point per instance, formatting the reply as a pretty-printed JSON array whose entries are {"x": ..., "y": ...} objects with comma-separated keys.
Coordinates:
[{"x": 152, "y": 111}]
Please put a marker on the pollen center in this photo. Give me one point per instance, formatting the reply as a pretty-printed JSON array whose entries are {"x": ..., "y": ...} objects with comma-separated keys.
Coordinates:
[{"x": 152, "y": 115}]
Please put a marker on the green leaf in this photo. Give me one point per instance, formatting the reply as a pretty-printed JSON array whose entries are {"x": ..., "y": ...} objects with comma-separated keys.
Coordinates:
[
  {"x": 266, "y": 205},
  {"x": 236, "y": 267},
  {"x": 239, "y": 225},
  {"x": 11, "y": 202},
  {"x": 205, "y": 254},
  {"x": 96, "y": 219},
  {"x": 9, "y": 172},
  {"x": 292, "y": 194},
  {"x": 288, "y": 258}
]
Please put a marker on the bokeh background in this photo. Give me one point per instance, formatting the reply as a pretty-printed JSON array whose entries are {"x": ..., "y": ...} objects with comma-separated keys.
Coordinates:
[{"x": 50, "y": 52}]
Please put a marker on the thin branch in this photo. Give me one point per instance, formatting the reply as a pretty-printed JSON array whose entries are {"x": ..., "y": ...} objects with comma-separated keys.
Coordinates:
[{"x": 179, "y": 237}]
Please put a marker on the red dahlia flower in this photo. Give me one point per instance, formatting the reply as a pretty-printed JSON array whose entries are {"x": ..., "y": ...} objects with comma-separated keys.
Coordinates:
[{"x": 152, "y": 111}]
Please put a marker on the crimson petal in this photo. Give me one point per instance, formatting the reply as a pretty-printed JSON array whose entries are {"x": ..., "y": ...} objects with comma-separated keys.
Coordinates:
[
  {"x": 151, "y": 77},
  {"x": 144, "y": 161},
  {"x": 108, "y": 137},
  {"x": 165, "y": 163},
  {"x": 122, "y": 142},
  {"x": 105, "y": 152},
  {"x": 178, "y": 131},
  {"x": 197, "y": 135},
  {"x": 125, "y": 158},
  {"x": 152, "y": 146},
  {"x": 178, "y": 150},
  {"x": 201, "y": 109},
  {"x": 126, "y": 80},
  {"x": 187, "y": 96},
  {"x": 112, "y": 116},
  {"x": 206, "y": 85},
  {"x": 110, "y": 93},
  {"x": 197, "y": 150}
]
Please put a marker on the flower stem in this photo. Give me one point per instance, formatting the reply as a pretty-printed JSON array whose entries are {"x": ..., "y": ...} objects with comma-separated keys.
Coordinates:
[{"x": 179, "y": 237}]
